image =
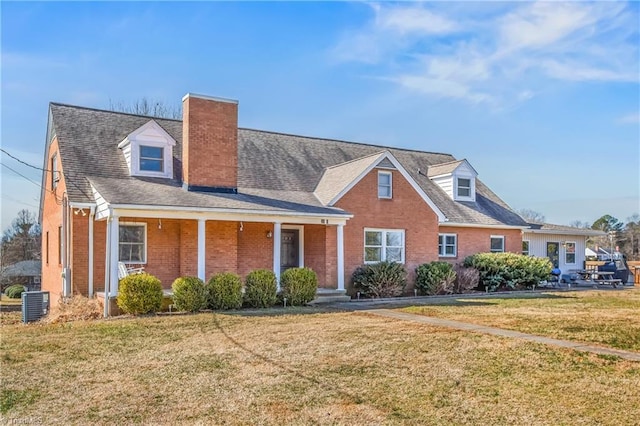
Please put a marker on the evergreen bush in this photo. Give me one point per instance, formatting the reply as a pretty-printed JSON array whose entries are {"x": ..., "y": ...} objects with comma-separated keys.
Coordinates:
[
  {"x": 189, "y": 294},
  {"x": 14, "y": 291},
  {"x": 383, "y": 279},
  {"x": 435, "y": 278},
  {"x": 139, "y": 294},
  {"x": 509, "y": 270},
  {"x": 299, "y": 285},
  {"x": 260, "y": 289},
  {"x": 224, "y": 291}
]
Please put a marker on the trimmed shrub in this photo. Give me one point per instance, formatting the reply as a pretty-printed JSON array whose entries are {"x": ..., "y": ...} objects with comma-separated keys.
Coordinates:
[
  {"x": 435, "y": 278},
  {"x": 14, "y": 291},
  {"x": 260, "y": 288},
  {"x": 299, "y": 285},
  {"x": 509, "y": 270},
  {"x": 189, "y": 294},
  {"x": 466, "y": 279},
  {"x": 224, "y": 291},
  {"x": 383, "y": 279},
  {"x": 139, "y": 294}
]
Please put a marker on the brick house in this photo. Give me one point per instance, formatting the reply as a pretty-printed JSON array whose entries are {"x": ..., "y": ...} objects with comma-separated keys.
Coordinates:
[{"x": 199, "y": 196}]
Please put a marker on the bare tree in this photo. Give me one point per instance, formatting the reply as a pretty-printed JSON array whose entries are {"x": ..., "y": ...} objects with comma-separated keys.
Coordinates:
[
  {"x": 148, "y": 107},
  {"x": 580, "y": 224},
  {"x": 21, "y": 241},
  {"x": 531, "y": 216}
]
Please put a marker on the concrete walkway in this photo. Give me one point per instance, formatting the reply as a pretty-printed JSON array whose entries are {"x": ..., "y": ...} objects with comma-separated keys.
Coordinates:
[{"x": 632, "y": 356}]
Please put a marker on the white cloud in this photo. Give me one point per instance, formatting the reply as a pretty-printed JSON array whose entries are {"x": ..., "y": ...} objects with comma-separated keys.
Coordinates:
[
  {"x": 413, "y": 19},
  {"x": 502, "y": 58},
  {"x": 632, "y": 118}
]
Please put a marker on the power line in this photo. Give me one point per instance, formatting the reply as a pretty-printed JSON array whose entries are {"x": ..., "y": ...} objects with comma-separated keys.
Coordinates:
[
  {"x": 24, "y": 162},
  {"x": 58, "y": 201}
]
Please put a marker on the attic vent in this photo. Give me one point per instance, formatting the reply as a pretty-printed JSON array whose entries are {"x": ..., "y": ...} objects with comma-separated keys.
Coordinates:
[
  {"x": 324, "y": 221},
  {"x": 386, "y": 164}
]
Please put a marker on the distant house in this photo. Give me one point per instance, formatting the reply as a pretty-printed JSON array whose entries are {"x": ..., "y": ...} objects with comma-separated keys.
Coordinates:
[
  {"x": 27, "y": 273},
  {"x": 564, "y": 245},
  {"x": 200, "y": 195}
]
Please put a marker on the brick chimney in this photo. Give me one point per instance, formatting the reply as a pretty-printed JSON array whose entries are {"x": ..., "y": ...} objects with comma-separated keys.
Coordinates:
[{"x": 209, "y": 144}]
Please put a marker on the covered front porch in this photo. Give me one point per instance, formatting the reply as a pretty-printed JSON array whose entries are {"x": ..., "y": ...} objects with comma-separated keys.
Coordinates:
[{"x": 169, "y": 245}]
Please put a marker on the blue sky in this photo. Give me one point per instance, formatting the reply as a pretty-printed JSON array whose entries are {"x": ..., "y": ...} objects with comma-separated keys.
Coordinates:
[{"x": 543, "y": 99}]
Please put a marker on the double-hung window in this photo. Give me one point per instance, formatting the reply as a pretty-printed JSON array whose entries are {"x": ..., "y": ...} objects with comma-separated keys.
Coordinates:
[
  {"x": 383, "y": 244},
  {"x": 570, "y": 253},
  {"x": 497, "y": 243},
  {"x": 133, "y": 242},
  {"x": 447, "y": 245},
  {"x": 151, "y": 158},
  {"x": 384, "y": 185},
  {"x": 464, "y": 187},
  {"x": 525, "y": 247},
  {"x": 55, "y": 175}
]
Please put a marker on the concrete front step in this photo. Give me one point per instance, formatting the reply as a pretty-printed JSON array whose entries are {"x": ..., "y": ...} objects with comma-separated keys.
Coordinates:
[{"x": 324, "y": 295}]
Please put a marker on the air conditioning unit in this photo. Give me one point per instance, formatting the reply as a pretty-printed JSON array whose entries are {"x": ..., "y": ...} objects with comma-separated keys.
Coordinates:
[{"x": 35, "y": 305}]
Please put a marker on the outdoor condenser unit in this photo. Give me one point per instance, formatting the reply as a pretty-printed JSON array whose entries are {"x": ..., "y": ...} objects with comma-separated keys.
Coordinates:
[{"x": 35, "y": 305}]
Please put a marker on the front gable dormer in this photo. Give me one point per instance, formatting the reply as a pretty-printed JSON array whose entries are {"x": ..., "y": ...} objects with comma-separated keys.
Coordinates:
[
  {"x": 456, "y": 178},
  {"x": 148, "y": 151}
]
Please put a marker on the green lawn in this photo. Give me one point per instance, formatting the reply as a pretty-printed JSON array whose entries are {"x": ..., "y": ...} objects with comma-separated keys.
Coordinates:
[
  {"x": 319, "y": 368},
  {"x": 604, "y": 317}
]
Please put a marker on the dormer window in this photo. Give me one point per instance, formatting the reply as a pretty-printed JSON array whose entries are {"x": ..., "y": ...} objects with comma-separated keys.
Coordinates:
[
  {"x": 148, "y": 151},
  {"x": 464, "y": 187},
  {"x": 456, "y": 178},
  {"x": 151, "y": 159}
]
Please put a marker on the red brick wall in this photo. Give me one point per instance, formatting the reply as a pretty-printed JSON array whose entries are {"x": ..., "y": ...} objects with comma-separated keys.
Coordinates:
[
  {"x": 210, "y": 142},
  {"x": 188, "y": 248},
  {"x": 478, "y": 240},
  {"x": 51, "y": 220},
  {"x": 80, "y": 254},
  {"x": 315, "y": 251},
  {"x": 406, "y": 210},
  {"x": 255, "y": 250},
  {"x": 221, "y": 247}
]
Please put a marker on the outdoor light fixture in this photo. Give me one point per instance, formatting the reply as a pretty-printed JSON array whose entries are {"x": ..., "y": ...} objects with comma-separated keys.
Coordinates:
[
  {"x": 78, "y": 211},
  {"x": 269, "y": 234},
  {"x": 159, "y": 223},
  {"x": 241, "y": 227}
]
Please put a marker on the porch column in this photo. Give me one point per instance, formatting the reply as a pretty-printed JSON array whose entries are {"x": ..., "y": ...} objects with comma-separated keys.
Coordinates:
[
  {"x": 90, "y": 277},
  {"x": 340, "y": 244},
  {"x": 277, "y": 239},
  {"x": 107, "y": 256},
  {"x": 201, "y": 249},
  {"x": 114, "y": 256}
]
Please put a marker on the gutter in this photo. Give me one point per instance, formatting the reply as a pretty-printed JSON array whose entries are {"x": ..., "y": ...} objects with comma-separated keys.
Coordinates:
[{"x": 474, "y": 225}]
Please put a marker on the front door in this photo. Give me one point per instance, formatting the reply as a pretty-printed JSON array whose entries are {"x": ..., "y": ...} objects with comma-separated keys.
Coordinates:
[
  {"x": 553, "y": 253},
  {"x": 289, "y": 249}
]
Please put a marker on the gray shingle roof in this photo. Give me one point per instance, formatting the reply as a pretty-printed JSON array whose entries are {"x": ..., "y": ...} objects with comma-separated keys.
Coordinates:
[
  {"x": 276, "y": 171},
  {"x": 25, "y": 268},
  {"x": 563, "y": 230}
]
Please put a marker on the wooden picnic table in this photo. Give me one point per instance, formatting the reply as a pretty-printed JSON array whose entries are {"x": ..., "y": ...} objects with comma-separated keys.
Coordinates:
[{"x": 598, "y": 277}]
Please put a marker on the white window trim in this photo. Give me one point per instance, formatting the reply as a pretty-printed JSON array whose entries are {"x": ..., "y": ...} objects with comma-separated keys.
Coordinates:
[
  {"x": 300, "y": 229},
  {"x": 443, "y": 253},
  {"x": 503, "y": 245},
  {"x": 158, "y": 138},
  {"x": 146, "y": 247},
  {"x": 55, "y": 172},
  {"x": 528, "y": 247},
  {"x": 167, "y": 159},
  {"x": 384, "y": 244},
  {"x": 575, "y": 257},
  {"x": 163, "y": 158},
  {"x": 380, "y": 172},
  {"x": 472, "y": 188}
]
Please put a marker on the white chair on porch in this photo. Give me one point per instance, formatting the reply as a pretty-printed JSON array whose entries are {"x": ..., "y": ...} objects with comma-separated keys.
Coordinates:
[{"x": 124, "y": 271}]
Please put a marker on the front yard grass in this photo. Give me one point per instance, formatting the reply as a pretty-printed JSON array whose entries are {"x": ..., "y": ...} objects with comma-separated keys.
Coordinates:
[
  {"x": 328, "y": 368},
  {"x": 604, "y": 317}
]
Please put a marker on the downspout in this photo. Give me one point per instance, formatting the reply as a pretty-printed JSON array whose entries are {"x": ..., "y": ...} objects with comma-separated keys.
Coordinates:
[
  {"x": 90, "y": 278},
  {"x": 64, "y": 243}
]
